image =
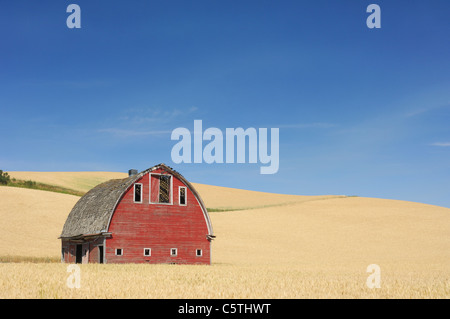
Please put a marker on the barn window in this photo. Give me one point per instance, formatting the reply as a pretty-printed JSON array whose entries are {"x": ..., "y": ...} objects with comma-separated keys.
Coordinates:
[
  {"x": 164, "y": 188},
  {"x": 119, "y": 251},
  {"x": 147, "y": 252},
  {"x": 198, "y": 253},
  {"x": 173, "y": 252},
  {"x": 138, "y": 193},
  {"x": 182, "y": 195},
  {"x": 160, "y": 189}
]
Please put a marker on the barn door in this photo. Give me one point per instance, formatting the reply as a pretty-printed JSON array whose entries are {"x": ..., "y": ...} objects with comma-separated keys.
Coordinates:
[
  {"x": 100, "y": 254},
  {"x": 85, "y": 258},
  {"x": 79, "y": 254},
  {"x": 154, "y": 189}
]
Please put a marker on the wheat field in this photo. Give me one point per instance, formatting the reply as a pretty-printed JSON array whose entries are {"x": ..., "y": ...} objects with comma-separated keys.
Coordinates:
[
  {"x": 217, "y": 281},
  {"x": 275, "y": 246},
  {"x": 79, "y": 181}
]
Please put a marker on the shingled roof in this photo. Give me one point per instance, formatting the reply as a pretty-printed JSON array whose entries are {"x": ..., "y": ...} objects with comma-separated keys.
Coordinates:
[{"x": 92, "y": 213}]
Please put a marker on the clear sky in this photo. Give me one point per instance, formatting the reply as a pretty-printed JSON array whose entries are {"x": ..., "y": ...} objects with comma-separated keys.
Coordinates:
[{"x": 360, "y": 111}]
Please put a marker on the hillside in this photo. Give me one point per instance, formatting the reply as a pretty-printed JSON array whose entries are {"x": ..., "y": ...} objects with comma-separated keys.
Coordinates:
[
  {"x": 80, "y": 181},
  {"x": 215, "y": 197},
  {"x": 283, "y": 246},
  {"x": 32, "y": 220},
  {"x": 273, "y": 229}
]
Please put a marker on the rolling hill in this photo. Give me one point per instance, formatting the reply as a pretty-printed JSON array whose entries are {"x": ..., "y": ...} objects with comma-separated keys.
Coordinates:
[
  {"x": 267, "y": 246},
  {"x": 265, "y": 228}
]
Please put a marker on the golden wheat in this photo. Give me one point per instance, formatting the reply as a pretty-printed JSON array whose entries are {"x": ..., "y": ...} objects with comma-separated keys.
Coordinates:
[
  {"x": 295, "y": 247},
  {"x": 32, "y": 220},
  {"x": 216, "y": 281}
]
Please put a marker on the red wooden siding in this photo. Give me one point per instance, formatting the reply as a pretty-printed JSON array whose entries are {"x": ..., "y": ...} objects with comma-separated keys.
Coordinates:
[{"x": 158, "y": 226}]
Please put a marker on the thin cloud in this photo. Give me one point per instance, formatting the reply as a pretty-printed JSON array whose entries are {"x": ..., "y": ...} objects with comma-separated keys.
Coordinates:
[
  {"x": 132, "y": 133},
  {"x": 138, "y": 116},
  {"x": 307, "y": 125},
  {"x": 136, "y": 121},
  {"x": 441, "y": 144},
  {"x": 426, "y": 109}
]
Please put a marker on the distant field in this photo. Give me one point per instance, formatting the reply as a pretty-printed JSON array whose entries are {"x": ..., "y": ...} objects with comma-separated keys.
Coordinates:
[
  {"x": 284, "y": 246},
  {"x": 32, "y": 220},
  {"x": 216, "y": 197},
  {"x": 80, "y": 181},
  {"x": 224, "y": 198}
]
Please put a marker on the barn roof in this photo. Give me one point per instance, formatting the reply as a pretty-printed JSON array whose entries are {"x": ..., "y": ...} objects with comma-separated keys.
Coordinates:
[{"x": 92, "y": 213}]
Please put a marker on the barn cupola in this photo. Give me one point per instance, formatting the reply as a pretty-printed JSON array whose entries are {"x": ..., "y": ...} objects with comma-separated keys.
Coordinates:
[{"x": 132, "y": 172}]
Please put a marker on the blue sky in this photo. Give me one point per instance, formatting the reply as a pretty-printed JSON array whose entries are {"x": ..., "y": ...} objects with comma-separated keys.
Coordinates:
[{"x": 360, "y": 111}]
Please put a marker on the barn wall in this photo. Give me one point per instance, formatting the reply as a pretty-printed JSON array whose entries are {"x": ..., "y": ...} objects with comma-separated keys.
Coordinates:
[
  {"x": 160, "y": 227},
  {"x": 94, "y": 251},
  {"x": 89, "y": 248},
  {"x": 69, "y": 251}
]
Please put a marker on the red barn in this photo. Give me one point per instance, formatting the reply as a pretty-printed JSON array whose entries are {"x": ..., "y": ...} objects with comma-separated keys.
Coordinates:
[{"x": 155, "y": 216}]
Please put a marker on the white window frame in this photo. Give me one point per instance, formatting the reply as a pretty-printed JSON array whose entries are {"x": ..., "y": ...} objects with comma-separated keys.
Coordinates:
[
  {"x": 150, "y": 189},
  {"x": 121, "y": 251},
  {"x": 134, "y": 193},
  {"x": 185, "y": 195},
  {"x": 149, "y": 250},
  {"x": 201, "y": 252},
  {"x": 176, "y": 252}
]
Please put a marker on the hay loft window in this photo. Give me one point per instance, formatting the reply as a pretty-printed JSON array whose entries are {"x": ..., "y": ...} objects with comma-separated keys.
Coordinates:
[
  {"x": 138, "y": 193},
  {"x": 182, "y": 195},
  {"x": 147, "y": 252},
  {"x": 164, "y": 188},
  {"x": 173, "y": 252},
  {"x": 119, "y": 251},
  {"x": 161, "y": 189}
]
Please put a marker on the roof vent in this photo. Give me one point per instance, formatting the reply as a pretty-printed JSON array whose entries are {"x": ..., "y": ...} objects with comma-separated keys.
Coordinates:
[{"x": 132, "y": 172}]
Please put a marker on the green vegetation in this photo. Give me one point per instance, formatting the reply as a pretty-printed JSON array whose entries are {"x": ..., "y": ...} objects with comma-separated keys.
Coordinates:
[
  {"x": 5, "y": 180},
  {"x": 28, "y": 259},
  {"x": 215, "y": 210},
  {"x": 232, "y": 209}
]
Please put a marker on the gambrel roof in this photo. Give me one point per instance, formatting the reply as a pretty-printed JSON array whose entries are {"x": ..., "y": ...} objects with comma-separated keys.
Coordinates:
[{"x": 92, "y": 213}]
